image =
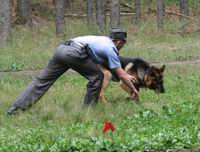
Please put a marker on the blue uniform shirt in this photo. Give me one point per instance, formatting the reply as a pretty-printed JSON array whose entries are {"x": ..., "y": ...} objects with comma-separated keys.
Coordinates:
[{"x": 103, "y": 50}]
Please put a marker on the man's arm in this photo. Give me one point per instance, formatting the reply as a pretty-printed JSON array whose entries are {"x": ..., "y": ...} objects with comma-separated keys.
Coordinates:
[{"x": 127, "y": 80}]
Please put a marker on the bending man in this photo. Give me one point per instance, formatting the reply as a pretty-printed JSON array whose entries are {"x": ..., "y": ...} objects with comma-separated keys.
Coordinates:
[{"x": 82, "y": 54}]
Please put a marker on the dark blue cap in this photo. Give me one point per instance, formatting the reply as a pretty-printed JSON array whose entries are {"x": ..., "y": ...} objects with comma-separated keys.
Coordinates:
[{"x": 118, "y": 34}]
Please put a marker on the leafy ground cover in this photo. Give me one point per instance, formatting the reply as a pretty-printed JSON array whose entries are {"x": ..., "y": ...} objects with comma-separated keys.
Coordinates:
[{"x": 169, "y": 122}]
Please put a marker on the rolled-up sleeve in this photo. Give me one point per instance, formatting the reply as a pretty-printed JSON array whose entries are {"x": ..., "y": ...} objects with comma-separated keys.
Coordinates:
[{"x": 113, "y": 59}]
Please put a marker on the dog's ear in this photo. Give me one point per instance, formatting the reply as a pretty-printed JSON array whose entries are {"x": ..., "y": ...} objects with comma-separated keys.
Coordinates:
[
  {"x": 128, "y": 67},
  {"x": 162, "y": 68}
]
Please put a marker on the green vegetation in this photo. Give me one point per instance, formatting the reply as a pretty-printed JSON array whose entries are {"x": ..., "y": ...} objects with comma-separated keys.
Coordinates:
[
  {"x": 168, "y": 122},
  {"x": 22, "y": 51},
  {"x": 31, "y": 49}
]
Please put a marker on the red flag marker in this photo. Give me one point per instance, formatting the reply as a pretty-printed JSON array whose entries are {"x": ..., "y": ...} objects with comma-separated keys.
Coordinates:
[{"x": 108, "y": 126}]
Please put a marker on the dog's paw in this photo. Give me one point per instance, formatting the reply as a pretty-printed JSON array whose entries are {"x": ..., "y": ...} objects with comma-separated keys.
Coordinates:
[
  {"x": 104, "y": 101},
  {"x": 135, "y": 99},
  {"x": 129, "y": 99}
]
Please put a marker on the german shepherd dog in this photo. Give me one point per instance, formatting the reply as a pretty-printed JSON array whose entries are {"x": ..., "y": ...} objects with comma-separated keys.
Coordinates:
[{"x": 148, "y": 76}]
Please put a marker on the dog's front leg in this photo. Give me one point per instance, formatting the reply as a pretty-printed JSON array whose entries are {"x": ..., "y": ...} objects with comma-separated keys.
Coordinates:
[
  {"x": 106, "y": 81},
  {"x": 127, "y": 89}
]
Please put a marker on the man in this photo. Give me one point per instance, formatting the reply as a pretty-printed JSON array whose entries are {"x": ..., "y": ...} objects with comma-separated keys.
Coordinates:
[{"x": 82, "y": 54}]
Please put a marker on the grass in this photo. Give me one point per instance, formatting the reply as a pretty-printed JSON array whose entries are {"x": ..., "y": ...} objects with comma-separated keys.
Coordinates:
[
  {"x": 168, "y": 122},
  {"x": 31, "y": 49},
  {"x": 158, "y": 123}
]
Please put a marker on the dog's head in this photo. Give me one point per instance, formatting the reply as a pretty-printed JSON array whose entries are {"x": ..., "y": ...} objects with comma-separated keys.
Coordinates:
[
  {"x": 153, "y": 79},
  {"x": 148, "y": 76}
]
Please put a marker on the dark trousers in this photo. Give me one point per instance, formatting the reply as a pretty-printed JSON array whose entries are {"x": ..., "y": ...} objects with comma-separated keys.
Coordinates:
[{"x": 65, "y": 57}]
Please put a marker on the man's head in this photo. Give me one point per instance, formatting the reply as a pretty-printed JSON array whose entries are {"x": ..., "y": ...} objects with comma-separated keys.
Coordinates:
[{"x": 119, "y": 37}]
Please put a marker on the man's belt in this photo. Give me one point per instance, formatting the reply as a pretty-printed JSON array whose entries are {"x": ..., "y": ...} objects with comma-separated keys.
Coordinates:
[{"x": 76, "y": 44}]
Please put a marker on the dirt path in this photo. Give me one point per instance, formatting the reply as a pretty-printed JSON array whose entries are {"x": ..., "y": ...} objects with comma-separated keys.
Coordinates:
[
  {"x": 35, "y": 72},
  {"x": 184, "y": 62}
]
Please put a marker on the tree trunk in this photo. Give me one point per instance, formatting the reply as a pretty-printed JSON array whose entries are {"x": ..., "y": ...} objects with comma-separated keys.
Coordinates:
[
  {"x": 90, "y": 15},
  {"x": 184, "y": 8},
  {"x": 137, "y": 12},
  {"x": 149, "y": 2},
  {"x": 60, "y": 21},
  {"x": 160, "y": 15},
  {"x": 68, "y": 4},
  {"x": 5, "y": 21},
  {"x": 115, "y": 14},
  {"x": 101, "y": 14},
  {"x": 24, "y": 12}
]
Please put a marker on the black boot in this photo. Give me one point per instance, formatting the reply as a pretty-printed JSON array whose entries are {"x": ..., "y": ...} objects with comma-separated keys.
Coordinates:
[{"x": 12, "y": 110}]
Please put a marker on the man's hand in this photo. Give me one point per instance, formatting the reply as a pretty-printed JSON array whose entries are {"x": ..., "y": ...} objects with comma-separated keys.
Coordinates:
[
  {"x": 134, "y": 93},
  {"x": 135, "y": 96},
  {"x": 132, "y": 78},
  {"x": 128, "y": 81}
]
